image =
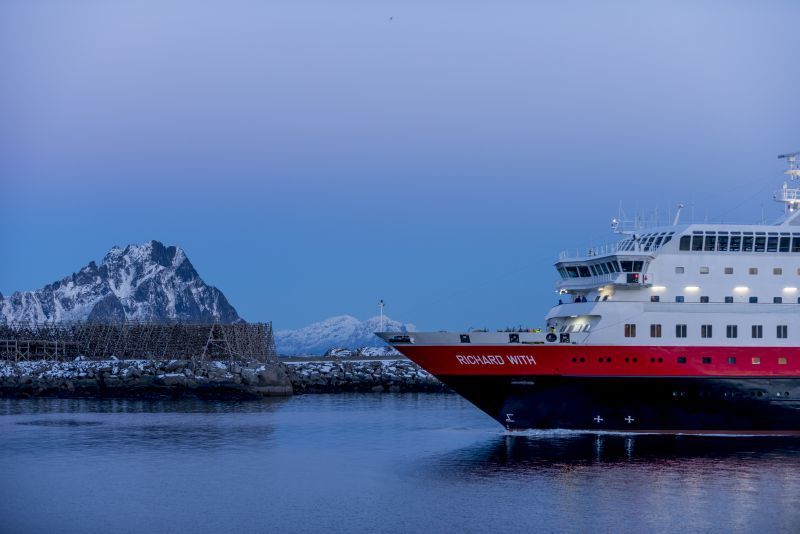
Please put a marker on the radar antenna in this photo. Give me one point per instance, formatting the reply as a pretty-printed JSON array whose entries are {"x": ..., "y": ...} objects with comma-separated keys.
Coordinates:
[{"x": 790, "y": 196}]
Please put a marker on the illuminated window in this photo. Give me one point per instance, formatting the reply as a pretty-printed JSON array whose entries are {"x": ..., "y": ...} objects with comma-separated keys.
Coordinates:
[
  {"x": 756, "y": 360},
  {"x": 781, "y": 361},
  {"x": 655, "y": 330}
]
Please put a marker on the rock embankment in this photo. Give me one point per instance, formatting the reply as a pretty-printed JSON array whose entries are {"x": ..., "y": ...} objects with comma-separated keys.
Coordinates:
[
  {"x": 143, "y": 378},
  {"x": 365, "y": 376}
]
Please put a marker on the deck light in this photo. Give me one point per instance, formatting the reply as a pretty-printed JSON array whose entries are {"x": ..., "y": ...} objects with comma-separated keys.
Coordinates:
[
  {"x": 741, "y": 289},
  {"x": 790, "y": 289},
  {"x": 692, "y": 288},
  {"x": 658, "y": 288}
]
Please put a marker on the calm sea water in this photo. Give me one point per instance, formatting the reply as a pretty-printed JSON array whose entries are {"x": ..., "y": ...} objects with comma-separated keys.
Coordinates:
[{"x": 376, "y": 463}]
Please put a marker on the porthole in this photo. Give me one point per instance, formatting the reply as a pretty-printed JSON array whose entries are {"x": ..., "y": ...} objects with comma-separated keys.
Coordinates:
[
  {"x": 608, "y": 360},
  {"x": 582, "y": 360}
]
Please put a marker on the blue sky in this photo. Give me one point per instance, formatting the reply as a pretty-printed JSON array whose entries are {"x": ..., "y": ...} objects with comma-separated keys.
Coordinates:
[{"x": 314, "y": 157}]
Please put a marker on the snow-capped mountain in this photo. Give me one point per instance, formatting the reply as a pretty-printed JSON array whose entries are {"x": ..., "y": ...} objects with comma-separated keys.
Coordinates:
[
  {"x": 342, "y": 331},
  {"x": 147, "y": 282}
]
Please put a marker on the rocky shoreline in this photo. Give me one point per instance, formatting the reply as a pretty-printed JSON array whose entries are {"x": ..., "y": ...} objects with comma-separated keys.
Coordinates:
[{"x": 210, "y": 379}]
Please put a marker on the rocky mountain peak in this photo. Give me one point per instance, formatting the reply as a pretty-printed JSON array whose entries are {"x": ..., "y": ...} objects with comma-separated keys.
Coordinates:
[{"x": 138, "y": 282}]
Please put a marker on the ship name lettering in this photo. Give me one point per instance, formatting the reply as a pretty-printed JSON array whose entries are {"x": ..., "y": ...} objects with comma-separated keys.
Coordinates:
[
  {"x": 522, "y": 359},
  {"x": 480, "y": 360}
]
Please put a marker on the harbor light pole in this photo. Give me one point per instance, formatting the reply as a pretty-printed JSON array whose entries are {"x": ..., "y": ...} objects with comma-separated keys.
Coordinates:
[{"x": 381, "y": 305}]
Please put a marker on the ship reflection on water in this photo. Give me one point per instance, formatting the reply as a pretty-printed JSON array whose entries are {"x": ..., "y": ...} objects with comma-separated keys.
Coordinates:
[{"x": 540, "y": 452}]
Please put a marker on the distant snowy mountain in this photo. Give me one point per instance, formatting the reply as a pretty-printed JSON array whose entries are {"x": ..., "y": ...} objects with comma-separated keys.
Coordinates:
[
  {"x": 342, "y": 331},
  {"x": 140, "y": 282}
]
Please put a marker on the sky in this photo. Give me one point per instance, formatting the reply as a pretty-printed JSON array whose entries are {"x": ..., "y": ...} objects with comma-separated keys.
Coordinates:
[{"x": 313, "y": 157}]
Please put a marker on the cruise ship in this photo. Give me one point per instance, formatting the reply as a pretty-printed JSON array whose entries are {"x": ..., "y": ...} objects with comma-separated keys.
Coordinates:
[{"x": 685, "y": 328}]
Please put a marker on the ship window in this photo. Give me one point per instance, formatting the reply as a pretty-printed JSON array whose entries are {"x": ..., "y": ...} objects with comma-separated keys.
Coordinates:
[
  {"x": 784, "y": 246},
  {"x": 637, "y": 266},
  {"x": 584, "y": 271},
  {"x": 747, "y": 243},
  {"x": 757, "y": 331},
  {"x": 728, "y": 300},
  {"x": 753, "y": 300},
  {"x": 655, "y": 330},
  {"x": 752, "y": 270},
  {"x": 655, "y": 298},
  {"x": 783, "y": 331},
  {"x": 679, "y": 298},
  {"x": 680, "y": 330},
  {"x": 772, "y": 244},
  {"x": 731, "y": 359},
  {"x": 704, "y": 270},
  {"x": 722, "y": 243},
  {"x": 732, "y": 331},
  {"x": 614, "y": 266},
  {"x": 572, "y": 272},
  {"x": 728, "y": 270},
  {"x": 777, "y": 271},
  {"x": 627, "y": 266},
  {"x": 681, "y": 359},
  {"x": 704, "y": 300},
  {"x": 795, "y": 243},
  {"x": 605, "y": 298},
  {"x": 782, "y": 361},
  {"x": 465, "y": 338},
  {"x": 760, "y": 243},
  {"x": 630, "y": 330},
  {"x": 685, "y": 240},
  {"x": 711, "y": 243},
  {"x": 697, "y": 242},
  {"x": 604, "y": 268},
  {"x": 587, "y": 327},
  {"x": 777, "y": 300},
  {"x": 706, "y": 359},
  {"x": 736, "y": 243},
  {"x": 679, "y": 270},
  {"x": 705, "y": 331},
  {"x": 756, "y": 360}
]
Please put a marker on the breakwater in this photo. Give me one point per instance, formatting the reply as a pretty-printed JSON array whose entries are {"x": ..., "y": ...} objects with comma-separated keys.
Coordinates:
[
  {"x": 143, "y": 378},
  {"x": 377, "y": 376},
  {"x": 210, "y": 379}
]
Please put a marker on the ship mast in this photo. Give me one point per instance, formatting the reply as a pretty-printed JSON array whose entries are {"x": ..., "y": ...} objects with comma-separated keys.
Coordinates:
[{"x": 790, "y": 196}]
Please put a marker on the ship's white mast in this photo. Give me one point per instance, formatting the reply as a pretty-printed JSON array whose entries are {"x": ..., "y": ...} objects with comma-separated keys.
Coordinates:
[{"x": 790, "y": 196}]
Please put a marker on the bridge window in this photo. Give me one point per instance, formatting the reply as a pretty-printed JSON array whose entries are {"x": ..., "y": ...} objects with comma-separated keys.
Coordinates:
[
  {"x": 722, "y": 243},
  {"x": 705, "y": 331},
  {"x": 630, "y": 330},
  {"x": 711, "y": 243},
  {"x": 680, "y": 330},
  {"x": 783, "y": 331},
  {"x": 584, "y": 271},
  {"x": 685, "y": 242},
  {"x": 732, "y": 331},
  {"x": 784, "y": 246},
  {"x": 655, "y": 330},
  {"x": 697, "y": 242},
  {"x": 747, "y": 243},
  {"x": 736, "y": 243},
  {"x": 757, "y": 331},
  {"x": 795, "y": 243},
  {"x": 761, "y": 242},
  {"x": 772, "y": 244}
]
